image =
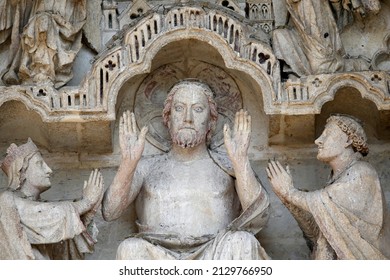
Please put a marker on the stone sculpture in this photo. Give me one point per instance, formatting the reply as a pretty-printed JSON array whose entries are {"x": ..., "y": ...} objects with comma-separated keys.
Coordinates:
[
  {"x": 311, "y": 43},
  {"x": 188, "y": 205},
  {"x": 34, "y": 229},
  {"x": 45, "y": 39},
  {"x": 347, "y": 219}
]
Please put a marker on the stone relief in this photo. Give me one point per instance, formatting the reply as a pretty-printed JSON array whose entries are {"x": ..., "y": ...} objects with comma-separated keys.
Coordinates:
[
  {"x": 35, "y": 229},
  {"x": 244, "y": 55},
  {"x": 187, "y": 203},
  {"x": 45, "y": 39},
  {"x": 311, "y": 44},
  {"x": 153, "y": 91},
  {"x": 348, "y": 219},
  {"x": 381, "y": 60}
]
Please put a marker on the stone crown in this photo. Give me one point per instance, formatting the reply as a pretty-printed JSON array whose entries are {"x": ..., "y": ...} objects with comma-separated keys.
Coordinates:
[{"x": 14, "y": 152}]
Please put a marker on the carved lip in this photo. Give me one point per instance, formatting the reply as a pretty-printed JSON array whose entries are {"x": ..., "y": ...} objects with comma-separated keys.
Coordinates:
[{"x": 187, "y": 127}]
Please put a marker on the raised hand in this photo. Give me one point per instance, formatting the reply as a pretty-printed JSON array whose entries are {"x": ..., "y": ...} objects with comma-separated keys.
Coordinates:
[
  {"x": 280, "y": 179},
  {"x": 131, "y": 144},
  {"x": 237, "y": 143},
  {"x": 93, "y": 189}
]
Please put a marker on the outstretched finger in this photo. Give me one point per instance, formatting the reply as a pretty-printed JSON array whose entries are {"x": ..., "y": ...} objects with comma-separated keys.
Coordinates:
[
  {"x": 244, "y": 120},
  {"x": 100, "y": 181},
  {"x": 241, "y": 120},
  {"x": 90, "y": 177},
  {"x": 97, "y": 174},
  {"x": 101, "y": 189},
  {"x": 269, "y": 175},
  {"x": 124, "y": 123},
  {"x": 93, "y": 181},
  {"x": 128, "y": 122},
  {"x": 277, "y": 167},
  {"x": 236, "y": 121},
  {"x": 288, "y": 170},
  {"x": 142, "y": 135},
  {"x": 271, "y": 168},
  {"x": 281, "y": 168},
  {"x": 133, "y": 125}
]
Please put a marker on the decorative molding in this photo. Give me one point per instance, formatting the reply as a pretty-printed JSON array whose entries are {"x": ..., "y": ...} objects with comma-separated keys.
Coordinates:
[{"x": 133, "y": 49}]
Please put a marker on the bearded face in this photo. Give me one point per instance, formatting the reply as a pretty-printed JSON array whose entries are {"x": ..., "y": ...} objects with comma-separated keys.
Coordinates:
[
  {"x": 189, "y": 118},
  {"x": 188, "y": 137}
]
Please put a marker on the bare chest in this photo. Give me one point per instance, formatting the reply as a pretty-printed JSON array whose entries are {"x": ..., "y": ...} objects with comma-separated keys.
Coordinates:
[{"x": 183, "y": 179}]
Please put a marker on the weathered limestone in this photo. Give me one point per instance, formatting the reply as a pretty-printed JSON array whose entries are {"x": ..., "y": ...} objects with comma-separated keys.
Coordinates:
[
  {"x": 348, "y": 219},
  {"x": 188, "y": 205},
  {"x": 134, "y": 51},
  {"x": 313, "y": 44},
  {"x": 34, "y": 229},
  {"x": 49, "y": 42}
]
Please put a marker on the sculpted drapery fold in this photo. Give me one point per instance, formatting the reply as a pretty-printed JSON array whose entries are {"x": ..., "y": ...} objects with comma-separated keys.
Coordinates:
[{"x": 46, "y": 37}]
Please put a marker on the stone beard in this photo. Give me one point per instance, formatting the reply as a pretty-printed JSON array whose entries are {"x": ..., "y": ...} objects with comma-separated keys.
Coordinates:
[
  {"x": 187, "y": 204},
  {"x": 187, "y": 137}
]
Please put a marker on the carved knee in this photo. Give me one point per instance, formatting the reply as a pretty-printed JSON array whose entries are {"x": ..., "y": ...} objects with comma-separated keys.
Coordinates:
[
  {"x": 132, "y": 249},
  {"x": 240, "y": 245}
]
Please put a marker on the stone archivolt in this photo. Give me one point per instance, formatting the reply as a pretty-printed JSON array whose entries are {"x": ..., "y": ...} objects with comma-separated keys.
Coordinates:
[
  {"x": 133, "y": 53},
  {"x": 135, "y": 47}
]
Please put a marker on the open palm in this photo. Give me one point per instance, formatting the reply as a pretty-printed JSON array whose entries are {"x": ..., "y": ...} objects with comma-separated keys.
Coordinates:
[{"x": 131, "y": 144}]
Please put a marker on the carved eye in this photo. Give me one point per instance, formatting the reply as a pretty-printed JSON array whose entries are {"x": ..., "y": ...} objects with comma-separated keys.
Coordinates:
[
  {"x": 179, "y": 108},
  {"x": 198, "y": 109}
]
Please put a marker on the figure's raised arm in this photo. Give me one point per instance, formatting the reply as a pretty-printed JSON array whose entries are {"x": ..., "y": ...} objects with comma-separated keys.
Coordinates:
[
  {"x": 124, "y": 188},
  {"x": 237, "y": 144}
]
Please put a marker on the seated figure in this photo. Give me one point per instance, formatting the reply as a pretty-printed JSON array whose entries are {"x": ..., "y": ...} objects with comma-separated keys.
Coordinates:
[
  {"x": 33, "y": 229},
  {"x": 189, "y": 203},
  {"x": 348, "y": 219}
]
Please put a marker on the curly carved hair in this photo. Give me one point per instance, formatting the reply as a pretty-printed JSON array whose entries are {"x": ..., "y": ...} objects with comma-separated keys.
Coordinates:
[
  {"x": 354, "y": 129},
  {"x": 206, "y": 90}
]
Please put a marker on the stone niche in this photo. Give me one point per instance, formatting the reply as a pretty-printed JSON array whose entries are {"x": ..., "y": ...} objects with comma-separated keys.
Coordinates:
[{"x": 76, "y": 126}]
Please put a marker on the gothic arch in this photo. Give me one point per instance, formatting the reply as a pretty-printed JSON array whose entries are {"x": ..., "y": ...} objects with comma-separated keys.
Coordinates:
[
  {"x": 139, "y": 44},
  {"x": 27, "y": 99},
  {"x": 352, "y": 80}
]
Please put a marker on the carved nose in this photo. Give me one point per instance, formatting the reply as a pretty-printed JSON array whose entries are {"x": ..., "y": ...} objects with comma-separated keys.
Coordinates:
[
  {"x": 318, "y": 141},
  {"x": 47, "y": 169},
  {"x": 188, "y": 116}
]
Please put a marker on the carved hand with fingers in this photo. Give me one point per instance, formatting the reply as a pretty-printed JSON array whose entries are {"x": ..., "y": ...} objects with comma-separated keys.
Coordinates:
[
  {"x": 131, "y": 143},
  {"x": 280, "y": 179},
  {"x": 237, "y": 142},
  {"x": 93, "y": 189},
  {"x": 93, "y": 192}
]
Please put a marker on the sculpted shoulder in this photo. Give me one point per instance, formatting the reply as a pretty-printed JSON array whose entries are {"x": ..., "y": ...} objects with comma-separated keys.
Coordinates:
[
  {"x": 364, "y": 168},
  {"x": 358, "y": 188}
]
